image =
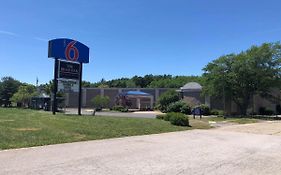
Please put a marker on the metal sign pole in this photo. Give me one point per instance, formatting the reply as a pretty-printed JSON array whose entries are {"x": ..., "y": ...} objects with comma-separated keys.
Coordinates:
[
  {"x": 80, "y": 90},
  {"x": 54, "y": 108}
]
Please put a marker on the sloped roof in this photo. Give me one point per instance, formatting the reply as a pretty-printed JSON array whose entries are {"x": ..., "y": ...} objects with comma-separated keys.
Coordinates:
[{"x": 192, "y": 86}]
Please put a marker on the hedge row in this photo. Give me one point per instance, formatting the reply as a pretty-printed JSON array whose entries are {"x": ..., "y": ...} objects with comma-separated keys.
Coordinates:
[{"x": 175, "y": 118}]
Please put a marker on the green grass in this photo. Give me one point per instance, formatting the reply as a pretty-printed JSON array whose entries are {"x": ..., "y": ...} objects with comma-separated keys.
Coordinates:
[{"x": 26, "y": 128}]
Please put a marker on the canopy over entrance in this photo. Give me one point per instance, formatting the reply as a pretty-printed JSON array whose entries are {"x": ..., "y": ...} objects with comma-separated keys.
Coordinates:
[{"x": 138, "y": 95}]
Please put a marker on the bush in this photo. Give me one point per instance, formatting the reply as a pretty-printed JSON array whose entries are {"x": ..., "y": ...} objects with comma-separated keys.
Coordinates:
[
  {"x": 167, "y": 98},
  {"x": 185, "y": 109},
  {"x": 205, "y": 109},
  {"x": 217, "y": 112},
  {"x": 175, "y": 106},
  {"x": 175, "y": 118},
  {"x": 264, "y": 111},
  {"x": 179, "y": 106},
  {"x": 160, "y": 116},
  {"x": 178, "y": 119},
  {"x": 100, "y": 102},
  {"x": 278, "y": 109},
  {"x": 119, "y": 108}
]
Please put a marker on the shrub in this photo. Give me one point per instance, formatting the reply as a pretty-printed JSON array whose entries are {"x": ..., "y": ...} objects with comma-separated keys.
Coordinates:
[
  {"x": 100, "y": 102},
  {"x": 278, "y": 109},
  {"x": 205, "y": 109},
  {"x": 119, "y": 108},
  {"x": 217, "y": 112},
  {"x": 175, "y": 106},
  {"x": 264, "y": 111},
  {"x": 167, "y": 117},
  {"x": 175, "y": 118},
  {"x": 179, "y": 106},
  {"x": 167, "y": 98},
  {"x": 160, "y": 116},
  {"x": 178, "y": 119},
  {"x": 185, "y": 109}
]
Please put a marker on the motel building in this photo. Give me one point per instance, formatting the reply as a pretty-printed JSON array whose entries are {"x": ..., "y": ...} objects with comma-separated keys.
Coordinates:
[{"x": 145, "y": 98}]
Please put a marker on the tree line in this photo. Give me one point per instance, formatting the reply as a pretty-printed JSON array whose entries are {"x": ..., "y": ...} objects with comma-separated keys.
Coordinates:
[{"x": 147, "y": 81}]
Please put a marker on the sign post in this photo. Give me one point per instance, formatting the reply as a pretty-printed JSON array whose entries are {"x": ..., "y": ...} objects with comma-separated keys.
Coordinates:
[
  {"x": 67, "y": 53},
  {"x": 80, "y": 90},
  {"x": 54, "y": 107}
]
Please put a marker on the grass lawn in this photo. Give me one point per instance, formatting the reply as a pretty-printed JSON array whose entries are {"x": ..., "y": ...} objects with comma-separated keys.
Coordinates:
[{"x": 25, "y": 128}]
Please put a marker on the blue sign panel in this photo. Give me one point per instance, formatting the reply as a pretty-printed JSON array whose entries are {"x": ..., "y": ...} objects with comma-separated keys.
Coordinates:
[{"x": 68, "y": 49}]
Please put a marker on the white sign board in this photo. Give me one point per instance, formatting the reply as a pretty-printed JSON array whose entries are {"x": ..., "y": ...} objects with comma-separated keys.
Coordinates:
[{"x": 67, "y": 85}]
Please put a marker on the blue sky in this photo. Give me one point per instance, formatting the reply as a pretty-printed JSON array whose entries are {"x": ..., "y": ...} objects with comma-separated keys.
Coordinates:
[{"x": 132, "y": 37}]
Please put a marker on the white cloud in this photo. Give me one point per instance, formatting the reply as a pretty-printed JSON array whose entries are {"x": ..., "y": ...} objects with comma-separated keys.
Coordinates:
[
  {"x": 41, "y": 39},
  {"x": 3, "y": 32}
]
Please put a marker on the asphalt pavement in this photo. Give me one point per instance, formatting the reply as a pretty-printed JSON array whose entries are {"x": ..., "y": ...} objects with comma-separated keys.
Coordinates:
[{"x": 212, "y": 152}]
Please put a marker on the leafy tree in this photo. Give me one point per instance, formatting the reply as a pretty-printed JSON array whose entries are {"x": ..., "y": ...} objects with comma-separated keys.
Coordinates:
[
  {"x": 100, "y": 102},
  {"x": 87, "y": 84},
  {"x": 130, "y": 84},
  {"x": 167, "y": 81},
  {"x": 139, "y": 81},
  {"x": 152, "y": 81},
  {"x": 8, "y": 86},
  {"x": 240, "y": 76},
  {"x": 48, "y": 87},
  {"x": 24, "y": 95},
  {"x": 103, "y": 86},
  {"x": 166, "y": 99}
]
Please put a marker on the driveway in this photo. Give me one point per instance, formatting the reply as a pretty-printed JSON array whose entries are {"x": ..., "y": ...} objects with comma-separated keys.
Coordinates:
[{"x": 212, "y": 152}]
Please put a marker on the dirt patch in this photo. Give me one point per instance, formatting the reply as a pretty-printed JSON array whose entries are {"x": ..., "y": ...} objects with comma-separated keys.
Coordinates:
[
  {"x": 268, "y": 128},
  {"x": 215, "y": 124},
  {"x": 6, "y": 121},
  {"x": 79, "y": 136},
  {"x": 27, "y": 129}
]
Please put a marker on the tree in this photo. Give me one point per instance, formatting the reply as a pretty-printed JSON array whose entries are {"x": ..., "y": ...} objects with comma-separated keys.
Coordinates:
[
  {"x": 24, "y": 95},
  {"x": 166, "y": 99},
  {"x": 139, "y": 81},
  {"x": 8, "y": 86},
  {"x": 48, "y": 87},
  {"x": 103, "y": 86},
  {"x": 147, "y": 81},
  {"x": 87, "y": 84},
  {"x": 100, "y": 102},
  {"x": 240, "y": 76}
]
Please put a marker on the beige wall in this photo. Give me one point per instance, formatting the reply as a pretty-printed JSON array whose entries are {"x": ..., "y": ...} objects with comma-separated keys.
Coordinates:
[
  {"x": 90, "y": 93},
  {"x": 215, "y": 103}
]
